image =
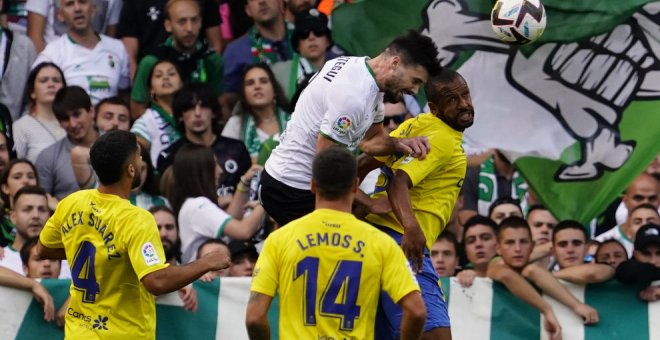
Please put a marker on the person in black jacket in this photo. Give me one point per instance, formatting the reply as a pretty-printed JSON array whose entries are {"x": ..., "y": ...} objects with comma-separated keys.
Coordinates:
[{"x": 644, "y": 267}]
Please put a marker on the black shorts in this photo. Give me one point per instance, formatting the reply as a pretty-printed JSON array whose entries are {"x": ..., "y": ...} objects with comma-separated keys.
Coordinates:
[{"x": 282, "y": 202}]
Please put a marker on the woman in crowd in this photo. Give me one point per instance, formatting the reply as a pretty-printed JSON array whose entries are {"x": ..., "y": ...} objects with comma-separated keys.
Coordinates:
[
  {"x": 156, "y": 129},
  {"x": 18, "y": 173},
  {"x": 195, "y": 173},
  {"x": 263, "y": 110},
  {"x": 38, "y": 128},
  {"x": 480, "y": 239}
]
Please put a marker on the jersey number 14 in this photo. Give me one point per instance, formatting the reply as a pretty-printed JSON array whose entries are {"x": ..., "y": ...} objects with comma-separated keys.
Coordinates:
[{"x": 344, "y": 284}]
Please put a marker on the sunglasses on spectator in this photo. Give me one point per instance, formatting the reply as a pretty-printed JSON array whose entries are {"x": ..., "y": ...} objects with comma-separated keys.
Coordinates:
[
  {"x": 398, "y": 119},
  {"x": 317, "y": 32}
]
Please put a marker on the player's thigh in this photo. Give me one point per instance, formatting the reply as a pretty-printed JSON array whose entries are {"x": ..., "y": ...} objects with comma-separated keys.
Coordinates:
[
  {"x": 438, "y": 333},
  {"x": 436, "y": 307}
]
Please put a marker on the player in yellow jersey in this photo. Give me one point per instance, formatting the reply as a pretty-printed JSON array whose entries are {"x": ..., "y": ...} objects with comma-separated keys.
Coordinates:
[
  {"x": 114, "y": 250},
  {"x": 329, "y": 267},
  {"x": 422, "y": 194}
]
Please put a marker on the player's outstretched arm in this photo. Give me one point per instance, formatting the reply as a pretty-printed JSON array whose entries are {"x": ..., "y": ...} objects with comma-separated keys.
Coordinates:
[
  {"x": 414, "y": 316},
  {"x": 256, "y": 316},
  {"x": 543, "y": 279},
  {"x": 377, "y": 142},
  {"x": 413, "y": 241},
  {"x": 174, "y": 278},
  {"x": 518, "y": 286}
]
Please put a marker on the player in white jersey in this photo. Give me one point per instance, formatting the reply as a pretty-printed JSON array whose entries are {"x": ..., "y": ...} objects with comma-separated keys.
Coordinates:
[
  {"x": 95, "y": 62},
  {"x": 343, "y": 104}
]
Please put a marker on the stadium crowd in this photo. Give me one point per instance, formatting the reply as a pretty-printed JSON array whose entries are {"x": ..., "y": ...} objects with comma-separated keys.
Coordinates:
[{"x": 208, "y": 88}]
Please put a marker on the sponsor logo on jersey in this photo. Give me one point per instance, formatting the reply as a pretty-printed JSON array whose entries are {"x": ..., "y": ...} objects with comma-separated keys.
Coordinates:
[
  {"x": 149, "y": 254},
  {"x": 101, "y": 323},
  {"x": 342, "y": 125},
  {"x": 98, "y": 83}
]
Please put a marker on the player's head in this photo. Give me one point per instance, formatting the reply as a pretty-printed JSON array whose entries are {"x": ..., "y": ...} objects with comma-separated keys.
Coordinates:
[
  {"x": 449, "y": 99},
  {"x": 479, "y": 239},
  {"x": 334, "y": 174},
  {"x": 184, "y": 21},
  {"x": 611, "y": 252},
  {"x": 514, "y": 242},
  {"x": 410, "y": 60},
  {"x": 115, "y": 157},
  {"x": 33, "y": 266},
  {"x": 569, "y": 243}
]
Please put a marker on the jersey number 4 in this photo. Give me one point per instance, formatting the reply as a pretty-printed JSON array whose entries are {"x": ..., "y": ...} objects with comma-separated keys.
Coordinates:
[
  {"x": 83, "y": 274},
  {"x": 343, "y": 286}
]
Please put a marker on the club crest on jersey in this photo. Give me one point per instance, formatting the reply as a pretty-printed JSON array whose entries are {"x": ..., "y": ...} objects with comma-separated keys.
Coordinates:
[
  {"x": 342, "y": 125},
  {"x": 149, "y": 254}
]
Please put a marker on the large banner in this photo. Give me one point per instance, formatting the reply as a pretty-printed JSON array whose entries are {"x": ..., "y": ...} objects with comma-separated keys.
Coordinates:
[
  {"x": 578, "y": 111},
  {"x": 485, "y": 311}
]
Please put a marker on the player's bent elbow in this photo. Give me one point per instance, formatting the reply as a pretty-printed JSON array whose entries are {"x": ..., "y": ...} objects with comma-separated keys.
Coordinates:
[
  {"x": 155, "y": 284},
  {"x": 413, "y": 306}
]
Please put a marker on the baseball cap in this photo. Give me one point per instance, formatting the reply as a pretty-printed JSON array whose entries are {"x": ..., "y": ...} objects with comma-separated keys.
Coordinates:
[
  {"x": 241, "y": 247},
  {"x": 647, "y": 234},
  {"x": 309, "y": 21}
]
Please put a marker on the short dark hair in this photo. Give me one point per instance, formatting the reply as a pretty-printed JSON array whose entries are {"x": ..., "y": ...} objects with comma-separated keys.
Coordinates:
[
  {"x": 479, "y": 220},
  {"x": 69, "y": 99},
  {"x": 110, "y": 153},
  {"x": 569, "y": 224},
  {"x": 334, "y": 171},
  {"x": 415, "y": 48},
  {"x": 194, "y": 94},
  {"x": 648, "y": 206},
  {"x": 436, "y": 84},
  {"x": 212, "y": 241},
  {"x": 504, "y": 200},
  {"x": 29, "y": 190},
  {"x": 32, "y": 79},
  {"x": 534, "y": 207},
  {"x": 4, "y": 178},
  {"x": 115, "y": 100},
  {"x": 513, "y": 222},
  {"x": 27, "y": 248},
  {"x": 449, "y": 237}
]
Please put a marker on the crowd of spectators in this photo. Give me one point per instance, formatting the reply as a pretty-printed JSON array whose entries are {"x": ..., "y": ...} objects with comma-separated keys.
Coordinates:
[{"x": 208, "y": 87}]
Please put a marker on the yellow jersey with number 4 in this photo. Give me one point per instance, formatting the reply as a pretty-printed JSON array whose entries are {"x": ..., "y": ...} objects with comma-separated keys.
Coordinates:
[
  {"x": 329, "y": 269},
  {"x": 436, "y": 180},
  {"x": 110, "y": 245}
]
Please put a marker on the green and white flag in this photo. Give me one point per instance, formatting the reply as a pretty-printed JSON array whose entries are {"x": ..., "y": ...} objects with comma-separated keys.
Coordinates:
[
  {"x": 485, "y": 311},
  {"x": 578, "y": 111}
]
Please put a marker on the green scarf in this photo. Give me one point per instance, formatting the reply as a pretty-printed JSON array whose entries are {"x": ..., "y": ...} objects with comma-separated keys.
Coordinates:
[
  {"x": 262, "y": 50},
  {"x": 250, "y": 134}
]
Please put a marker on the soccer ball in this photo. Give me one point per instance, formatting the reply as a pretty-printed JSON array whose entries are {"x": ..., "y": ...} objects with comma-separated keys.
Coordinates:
[{"x": 518, "y": 22}]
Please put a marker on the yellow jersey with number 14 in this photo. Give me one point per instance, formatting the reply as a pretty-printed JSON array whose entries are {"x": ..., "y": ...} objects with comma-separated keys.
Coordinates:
[
  {"x": 329, "y": 268},
  {"x": 110, "y": 245},
  {"x": 436, "y": 180}
]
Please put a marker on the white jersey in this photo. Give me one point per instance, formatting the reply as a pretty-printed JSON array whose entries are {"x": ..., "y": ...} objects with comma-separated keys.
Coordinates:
[
  {"x": 341, "y": 102},
  {"x": 617, "y": 234},
  {"x": 101, "y": 71},
  {"x": 199, "y": 220}
]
